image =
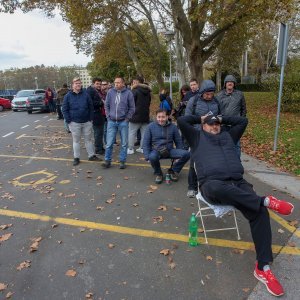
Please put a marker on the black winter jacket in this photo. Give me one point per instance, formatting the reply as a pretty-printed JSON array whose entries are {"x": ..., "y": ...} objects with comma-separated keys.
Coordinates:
[
  {"x": 98, "y": 104},
  {"x": 214, "y": 155},
  {"x": 142, "y": 98}
]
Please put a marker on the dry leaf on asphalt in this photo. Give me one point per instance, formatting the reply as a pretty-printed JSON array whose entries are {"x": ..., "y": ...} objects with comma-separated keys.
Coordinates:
[
  {"x": 149, "y": 191},
  {"x": 24, "y": 264},
  {"x": 54, "y": 225},
  {"x": 100, "y": 207},
  {"x": 5, "y": 226},
  {"x": 293, "y": 223},
  {"x": 153, "y": 187},
  {"x": 71, "y": 273},
  {"x": 162, "y": 207},
  {"x": 111, "y": 246},
  {"x": 60, "y": 194},
  {"x": 126, "y": 177},
  {"x": 89, "y": 176},
  {"x": 292, "y": 244},
  {"x": 110, "y": 201},
  {"x": 280, "y": 230},
  {"x": 70, "y": 195},
  {"x": 129, "y": 250},
  {"x": 238, "y": 251},
  {"x": 157, "y": 219},
  {"x": 246, "y": 290},
  {"x": 35, "y": 245},
  {"x": 89, "y": 171},
  {"x": 177, "y": 208},
  {"x": 5, "y": 237},
  {"x": 165, "y": 252},
  {"x": 200, "y": 230},
  {"x": 89, "y": 295},
  {"x": 3, "y": 286},
  {"x": 8, "y": 295},
  {"x": 135, "y": 205},
  {"x": 208, "y": 257},
  {"x": 172, "y": 265},
  {"x": 118, "y": 186}
]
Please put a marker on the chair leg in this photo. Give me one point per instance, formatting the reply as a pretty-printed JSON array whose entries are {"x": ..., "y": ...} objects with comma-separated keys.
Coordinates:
[{"x": 199, "y": 213}]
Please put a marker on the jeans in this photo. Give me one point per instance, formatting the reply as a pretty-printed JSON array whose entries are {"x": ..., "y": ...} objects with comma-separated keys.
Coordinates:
[
  {"x": 240, "y": 194},
  {"x": 77, "y": 130},
  {"x": 52, "y": 106},
  {"x": 133, "y": 129},
  {"x": 98, "y": 137},
  {"x": 182, "y": 155},
  {"x": 112, "y": 129}
]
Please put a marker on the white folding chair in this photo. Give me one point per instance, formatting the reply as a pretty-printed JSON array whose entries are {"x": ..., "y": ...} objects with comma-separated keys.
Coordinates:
[{"x": 219, "y": 212}]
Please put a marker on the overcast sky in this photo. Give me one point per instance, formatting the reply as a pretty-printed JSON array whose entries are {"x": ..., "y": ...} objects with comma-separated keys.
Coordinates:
[{"x": 33, "y": 39}]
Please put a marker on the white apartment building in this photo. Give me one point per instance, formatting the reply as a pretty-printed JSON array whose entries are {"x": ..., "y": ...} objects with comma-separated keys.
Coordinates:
[{"x": 85, "y": 77}]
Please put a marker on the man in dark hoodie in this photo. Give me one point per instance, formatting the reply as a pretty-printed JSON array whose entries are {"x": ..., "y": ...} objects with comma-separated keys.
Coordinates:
[
  {"x": 200, "y": 105},
  {"x": 232, "y": 102},
  {"x": 220, "y": 177},
  {"x": 159, "y": 138},
  {"x": 119, "y": 109},
  {"x": 140, "y": 119},
  {"x": 78, "y": 112}
]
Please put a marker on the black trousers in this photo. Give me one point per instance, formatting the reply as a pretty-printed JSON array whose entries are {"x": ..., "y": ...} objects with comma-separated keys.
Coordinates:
[
  {"x": 241, "y": 195},
  {"x": 192, "y": 177}
]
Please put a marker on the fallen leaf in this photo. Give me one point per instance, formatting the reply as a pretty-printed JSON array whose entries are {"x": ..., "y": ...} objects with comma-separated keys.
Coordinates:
[
  {"x": 3, "y": 286},
  {"x": 89, "y": 171},
  {"x": 60, "y": 194},
  {"x": 129, "y": 250},
  {"x": 100, "y": 207},
  {"x": 99, "y": 178},
  {"x": 70, "y": 195},
  {"x": 71, "y": 273},
  {"x": 24, "y": 264},
  {"x": 34, "y": 247},
  {"x": 149, "y": 191},
  {"x": 172, "y": 265},
  {"x": 208, "y": 257},
  {"x": 135, "y": 205},
  {"x": 177, "y": 208},
  {"x": 3, "y": 227},
  {"x": 153, "y": 187},
  {"x": 111, "y": 246},
  {"x": 158, "y": 219},
  {"x": 5, "y": 237},
  {"x": 292, "y": 244},
  {"x": 165, "y": 252},
  {"x": 82, "y": 229},
  {"x": 110, "y": 201},
  {"x": 280, "y": 230},
  {"x": 118, "y": 186},
  {"x": 54, "y": 225},
  {"x": 238, "y": 251},
  {"x": 89, "y": 176},
  {"x": 8, "y": 295},
  {"x": 89, "y": 295},
  {"x": 126, "y": 178},
  {"x": 162, "y": 207},
  {"x": 246, "y": 290},
  {"x": 293, "y": 223},
  {"x": 200, "y": 230}
]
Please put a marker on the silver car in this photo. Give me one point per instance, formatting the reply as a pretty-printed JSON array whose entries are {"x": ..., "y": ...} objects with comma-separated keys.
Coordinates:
[{"x": 19, "y": 101}]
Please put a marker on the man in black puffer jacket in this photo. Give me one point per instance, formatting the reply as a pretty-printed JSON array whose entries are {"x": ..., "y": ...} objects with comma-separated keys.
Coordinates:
[
  {"x": 140, "y": 119},
  {"x": 220, "y": 178}
]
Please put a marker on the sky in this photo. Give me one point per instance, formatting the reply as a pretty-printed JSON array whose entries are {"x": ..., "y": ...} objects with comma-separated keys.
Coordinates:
[{"x": 33, "y": 39}]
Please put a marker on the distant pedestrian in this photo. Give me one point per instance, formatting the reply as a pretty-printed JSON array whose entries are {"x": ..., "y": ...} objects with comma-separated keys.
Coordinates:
[
  {"x": 140, "y": 118},
  {"x": 78, "y": 111},
  {"x": 98, "y": 120},
  {"x": 180, "y": 109},
  {"x": 119, "y": 109},
  {"x": 102, "y": 93},
  {"x": 59, "y": 100},
  {"x": 232, "y": 102},
  {"x": 194, "y": 89},
  {"x": 49, "y": 95},
  {"x": 165, "y": 101}
]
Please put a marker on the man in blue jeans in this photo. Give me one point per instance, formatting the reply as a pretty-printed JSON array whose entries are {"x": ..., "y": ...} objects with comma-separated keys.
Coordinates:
[
  {"x": 158, "y": 143},
  {"x": 119, "y": 108}
]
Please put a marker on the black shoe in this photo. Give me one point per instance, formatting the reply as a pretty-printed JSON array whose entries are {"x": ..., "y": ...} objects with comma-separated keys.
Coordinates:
[
  {"x": 100, "y": 152},
  {"x": 106, "y": 164},
  {"x": 94, "y": 158},
  {"x": 76, "y": 162},
  {"x": 122, "y": 165},
  {"x": 137, "y": 143}
]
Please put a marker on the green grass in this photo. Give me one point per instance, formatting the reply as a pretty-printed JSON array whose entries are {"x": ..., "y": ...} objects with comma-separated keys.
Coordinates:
[{"x": 258, "y": 140}]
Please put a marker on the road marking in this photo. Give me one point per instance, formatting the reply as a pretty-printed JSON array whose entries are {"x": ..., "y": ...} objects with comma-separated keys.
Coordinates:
[
  {"x": 8, "y": 134},
  {"x": 145, "y": 233},
  {"x": 42, "y": 137},
  {"x": 24, "y": 126},
  {"x": 49, "y": 126},
  {"x": 45, "y": 117},
  {"x": 20, "y": 136},
  {"x": 47, "y": 178},
  {"x": 36, "y": 121}
]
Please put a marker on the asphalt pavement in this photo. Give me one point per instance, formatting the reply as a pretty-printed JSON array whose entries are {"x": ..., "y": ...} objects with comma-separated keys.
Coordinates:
[{"x": 90, "y": 233}]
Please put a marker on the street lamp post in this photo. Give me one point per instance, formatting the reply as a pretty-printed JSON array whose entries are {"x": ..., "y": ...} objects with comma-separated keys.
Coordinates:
[
  {"x": 169, "y": 35},
  {"x": 36, "y": 82}
]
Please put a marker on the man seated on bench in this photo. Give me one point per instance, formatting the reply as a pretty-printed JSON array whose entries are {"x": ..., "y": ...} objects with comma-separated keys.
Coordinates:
[
  {"x": 220, "y": 177},
  {"x": 158, "y": 143}
]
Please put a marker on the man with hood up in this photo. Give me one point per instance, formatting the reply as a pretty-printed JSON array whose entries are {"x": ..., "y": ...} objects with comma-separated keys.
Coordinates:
[
  {"x": 119, "y": 109},
  {"x": 199, "y": 105},
  {"x": 232, "y": 102},
  {"x": 140, "y": 119},
  {"x": 159, "y": 138}
]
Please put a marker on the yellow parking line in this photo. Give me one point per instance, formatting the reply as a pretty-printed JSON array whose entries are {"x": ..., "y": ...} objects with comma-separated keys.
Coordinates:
[
  {"x": 284, "y": 223},
  {"x": 144, "y": 233}
]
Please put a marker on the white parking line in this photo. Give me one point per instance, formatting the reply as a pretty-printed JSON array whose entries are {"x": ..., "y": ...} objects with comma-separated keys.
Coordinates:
[
  {"x": 24, "y": 126},
  {"x": 8, "y": 134},
  {"x": 46, "y": 117},
  {"x": 36, "y": 121}
]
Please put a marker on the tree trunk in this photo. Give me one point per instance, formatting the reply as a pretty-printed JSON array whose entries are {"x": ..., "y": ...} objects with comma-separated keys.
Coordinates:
[
  {"x": 160, "y": 80},
  {"x": 195, "y": 63}
]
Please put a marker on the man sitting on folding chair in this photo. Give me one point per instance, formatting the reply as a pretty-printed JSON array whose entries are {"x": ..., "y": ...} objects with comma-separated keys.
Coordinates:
[
  {"x": 220, "y": 177},
  {"x": 158, "y": 143}
]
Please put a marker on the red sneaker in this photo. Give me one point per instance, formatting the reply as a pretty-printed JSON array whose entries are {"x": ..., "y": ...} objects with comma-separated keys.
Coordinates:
[
  {"x": 281, "y": 207},
  {"x": 268, "y": 278}
]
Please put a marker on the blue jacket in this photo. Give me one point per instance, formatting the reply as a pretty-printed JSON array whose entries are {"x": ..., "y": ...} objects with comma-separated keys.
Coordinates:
[
  {"x": 157, "y": 136},
  {"x": 78, "y": 108},
  {"x": 119, "y": 110}
]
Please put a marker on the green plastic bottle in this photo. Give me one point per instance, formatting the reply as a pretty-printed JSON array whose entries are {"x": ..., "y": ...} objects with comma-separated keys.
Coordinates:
[{"x": 193, "y": 231}]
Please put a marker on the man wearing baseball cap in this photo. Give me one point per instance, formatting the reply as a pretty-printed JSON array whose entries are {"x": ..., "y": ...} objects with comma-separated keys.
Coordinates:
[{"x": 220, "y": 180}]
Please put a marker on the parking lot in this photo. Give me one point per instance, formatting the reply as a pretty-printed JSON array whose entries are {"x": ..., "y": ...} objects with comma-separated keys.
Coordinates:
[{"x": 90, "y": 233}]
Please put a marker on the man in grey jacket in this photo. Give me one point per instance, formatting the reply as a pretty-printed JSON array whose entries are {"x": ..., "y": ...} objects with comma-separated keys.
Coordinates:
[
  {"x": 232, "y": 102},
  {"x": 119, "y": 108}
]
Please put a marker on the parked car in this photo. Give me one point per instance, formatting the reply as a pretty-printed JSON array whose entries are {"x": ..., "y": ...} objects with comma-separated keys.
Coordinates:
[
  {"x": 19, "y": 101},
  {"x": 37, "y": 102},
  {"x": 4, "y": 104}
]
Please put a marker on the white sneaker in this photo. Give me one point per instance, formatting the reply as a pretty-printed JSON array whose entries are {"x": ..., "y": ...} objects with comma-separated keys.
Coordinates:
[
  {"x": 130, "y": 151},
  {"x": 140, "y": 150},
  {"x": 191, "y": 193}
]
